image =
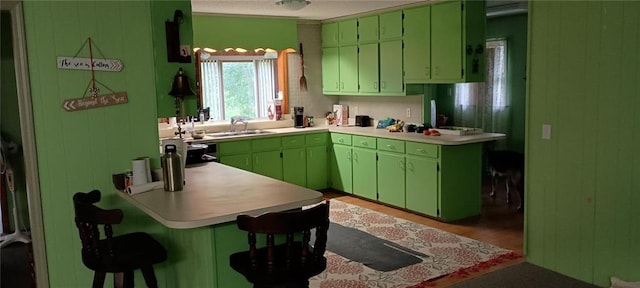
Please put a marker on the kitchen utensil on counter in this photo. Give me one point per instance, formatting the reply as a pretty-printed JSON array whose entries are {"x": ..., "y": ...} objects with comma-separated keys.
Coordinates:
[
  {"x": 198, "y": 134},
  {"x": 363, "y": 121},
  {"x": 171, "y": 163},
  {"x": 303, "y": 79},
  {"x": 298, "y": 114}
]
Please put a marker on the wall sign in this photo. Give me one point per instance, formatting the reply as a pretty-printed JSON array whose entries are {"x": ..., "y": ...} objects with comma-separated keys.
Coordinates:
[
  {"x": 95, "y": 102},
  {"x": 93, "y": 65},
  {"x": 110, "y": 65}
]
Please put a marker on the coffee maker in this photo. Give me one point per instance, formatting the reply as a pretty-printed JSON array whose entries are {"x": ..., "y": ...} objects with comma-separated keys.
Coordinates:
[{"x": 298, "y": 117}]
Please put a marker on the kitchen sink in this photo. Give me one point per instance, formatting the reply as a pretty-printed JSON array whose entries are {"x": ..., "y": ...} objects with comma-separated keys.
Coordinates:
[{"x": 237, "y": 133}]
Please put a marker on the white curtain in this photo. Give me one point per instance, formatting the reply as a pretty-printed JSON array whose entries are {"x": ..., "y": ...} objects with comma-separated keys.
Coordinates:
[
  {"x": 211, "y": 88},
  {"x": 485, "y": 105},
  {"x": 266, "y": 88}
]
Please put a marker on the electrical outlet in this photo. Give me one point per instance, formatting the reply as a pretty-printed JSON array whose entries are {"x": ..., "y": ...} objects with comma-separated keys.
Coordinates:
[
  {"x": 355, "y": 110},
  {"x": 546, "y": 131},
  {"x": 408, "y": 112}
]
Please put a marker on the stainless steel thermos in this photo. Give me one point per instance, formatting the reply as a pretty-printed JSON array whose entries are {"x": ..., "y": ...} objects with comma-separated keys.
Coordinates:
[{"x": 171, "y": 169}]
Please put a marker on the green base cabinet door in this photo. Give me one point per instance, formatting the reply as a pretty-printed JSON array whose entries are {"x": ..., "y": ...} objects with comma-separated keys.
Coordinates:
[
  {"x": 242, "y": 161},
  {"x": 422, "y": 185},
  {"x": 364, "y": 170},
  {"x": 294, "y": 166},
  {"x": 391, "y": 179},
  {"x": 341, "y": 173},
  {"x": 317, "y": 168},
  {"x": 268, "y": 163}
]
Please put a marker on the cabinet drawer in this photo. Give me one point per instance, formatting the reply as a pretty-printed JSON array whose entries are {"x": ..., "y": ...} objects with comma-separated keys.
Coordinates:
[
  {"x": 293, "y": 141},
  {"x": 234, "y": 147},
  {"x": 265, "y": 144},
  {"x": 316, "y": 139},
  {"x": 364, "y": 142},
  {"x": 391, "y": 145},
  {"x": 338, "y": 138},
  {"x": 422, "y": 149}
]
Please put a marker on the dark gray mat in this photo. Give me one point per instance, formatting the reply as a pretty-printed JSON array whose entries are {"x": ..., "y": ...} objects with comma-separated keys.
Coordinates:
[
  {"x": 373, "y": 252},
  {"x": 524, "y": 275}
]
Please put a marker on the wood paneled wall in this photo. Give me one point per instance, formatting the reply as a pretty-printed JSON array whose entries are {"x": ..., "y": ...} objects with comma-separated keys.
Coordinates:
[
  {"x": 78, "y": 151},
  {"x": 583, "y": 185}
]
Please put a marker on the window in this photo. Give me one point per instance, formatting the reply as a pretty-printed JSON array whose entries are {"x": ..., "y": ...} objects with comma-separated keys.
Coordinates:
[
  {"x": 238, "y": 85},
  {"x": 485, "y": 105}
]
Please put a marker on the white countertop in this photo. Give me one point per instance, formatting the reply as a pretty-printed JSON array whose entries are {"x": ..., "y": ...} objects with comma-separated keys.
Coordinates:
[
  {"x": 216, "y": 193},
  {"x": 365, "y": 131}
]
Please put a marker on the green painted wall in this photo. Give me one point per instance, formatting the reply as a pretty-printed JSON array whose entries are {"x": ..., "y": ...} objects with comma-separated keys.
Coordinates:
[
  {"x": 583, "y": 189},
  {"x": 220, "y": 32},
  {"x": 10, "y": 122},
  {"x": 165, "y": 71},
  {"x": 78, "y": 151}
]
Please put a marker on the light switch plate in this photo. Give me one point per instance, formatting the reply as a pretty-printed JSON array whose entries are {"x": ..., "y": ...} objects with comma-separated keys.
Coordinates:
[{"x": 546, "y": 131}]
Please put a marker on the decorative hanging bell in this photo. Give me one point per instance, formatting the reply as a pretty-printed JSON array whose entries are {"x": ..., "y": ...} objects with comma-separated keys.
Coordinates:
[{"x": 181, "y": 87}]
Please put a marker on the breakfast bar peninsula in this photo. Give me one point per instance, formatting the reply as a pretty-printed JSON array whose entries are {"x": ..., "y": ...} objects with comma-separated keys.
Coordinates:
[{"x": 200, "y": 220}]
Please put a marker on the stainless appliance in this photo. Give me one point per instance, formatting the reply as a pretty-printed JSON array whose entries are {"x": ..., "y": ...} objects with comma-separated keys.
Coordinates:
[
  {"x": 363, "y": 121},
  {"x": 298, "y": 117}
]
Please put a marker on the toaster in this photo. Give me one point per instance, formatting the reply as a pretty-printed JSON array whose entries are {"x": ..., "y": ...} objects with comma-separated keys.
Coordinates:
[{"x": 363, "y": 121}]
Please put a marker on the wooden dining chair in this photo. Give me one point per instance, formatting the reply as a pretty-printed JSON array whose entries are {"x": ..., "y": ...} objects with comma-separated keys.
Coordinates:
[
  {"x": 121, "y": 254},
  {"x": 289, "y": 264}
]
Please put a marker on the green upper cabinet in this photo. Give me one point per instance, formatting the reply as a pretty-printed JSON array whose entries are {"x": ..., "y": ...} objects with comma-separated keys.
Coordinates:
[
  {"x": 368, "y": 66},
  {"x": 348, "y": 32},
  {"x": 368, "y": 29},
  {"x": 348, "y": 69},
  {"x": 391, "y": 82},
  {"x": 452, "y": 50},
  {"x": 391, "y": 26},
  {"x": 330, "y": 35},
  {"x": 446, "y": 44},
  {"x": 417, "y": 45},
  {"x": 330, "y": 70}
]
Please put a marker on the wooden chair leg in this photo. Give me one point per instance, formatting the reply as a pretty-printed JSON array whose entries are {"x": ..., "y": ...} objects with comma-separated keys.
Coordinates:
[
  {"x": 128, "y": 279},
  {"x": 98, "y": 279},
  {"x": 149, "y": 276},
  {"x": 118, "y": 280}
]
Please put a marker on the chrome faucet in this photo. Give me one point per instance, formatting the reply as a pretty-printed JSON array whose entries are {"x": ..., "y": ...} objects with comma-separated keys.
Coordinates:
[{"x": 236, "y": 119}]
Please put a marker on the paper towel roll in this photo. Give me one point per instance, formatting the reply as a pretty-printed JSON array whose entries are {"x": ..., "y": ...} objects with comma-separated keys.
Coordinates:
[
  {"x": 135, "y": 189},
  {"x": 139, "y": 169},
  {"x": 147, "y": 164}
]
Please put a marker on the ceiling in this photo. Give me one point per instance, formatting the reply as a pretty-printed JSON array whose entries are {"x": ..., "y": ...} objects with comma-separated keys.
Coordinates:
[{"x": 318, "y": 9}]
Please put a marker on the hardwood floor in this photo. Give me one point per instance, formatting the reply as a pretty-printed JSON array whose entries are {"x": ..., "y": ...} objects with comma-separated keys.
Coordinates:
[{"x": 499, "y": 225}]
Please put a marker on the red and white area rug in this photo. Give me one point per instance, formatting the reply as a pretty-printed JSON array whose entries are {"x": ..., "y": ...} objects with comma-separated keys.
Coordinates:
[{"x": 442, "y": 253}]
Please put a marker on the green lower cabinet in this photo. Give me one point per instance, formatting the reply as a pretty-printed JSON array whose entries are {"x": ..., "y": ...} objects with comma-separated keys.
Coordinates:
[
  {"x": 391, "y": 178},
  {"x": 241, "y": 161},
  {"x": 228, "y": 239},
  {"x": 316, "y": 167},
  {"x": 422, "y": 185},
  {"x": 268, "y": 163},
  {"x": 341, "y": 173},
  {"x": 364, "y": 169},
  {"x": 294, "y": 166}
]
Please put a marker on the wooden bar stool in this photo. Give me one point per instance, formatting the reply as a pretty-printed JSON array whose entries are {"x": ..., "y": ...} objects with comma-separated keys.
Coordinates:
[
  {"x": 287, "y": 265},
  {"x": 120, "y": 254}
]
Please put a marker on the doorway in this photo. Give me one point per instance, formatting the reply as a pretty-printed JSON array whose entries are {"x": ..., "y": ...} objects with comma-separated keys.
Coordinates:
[{"x": 24, "y": 133}]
